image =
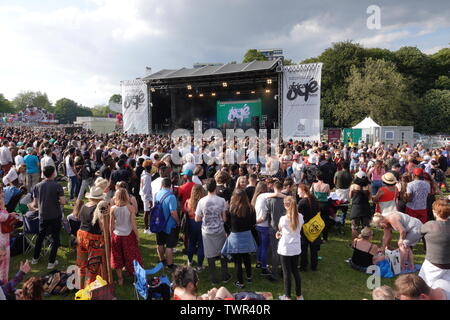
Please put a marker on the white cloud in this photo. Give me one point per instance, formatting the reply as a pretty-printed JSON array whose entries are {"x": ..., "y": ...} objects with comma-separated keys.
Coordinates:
[
  {"x": 384, "y": 39},
  {"x": 433, "y": 49}
]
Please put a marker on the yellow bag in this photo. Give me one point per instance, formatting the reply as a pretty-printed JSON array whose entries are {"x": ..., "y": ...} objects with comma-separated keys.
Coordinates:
[
  {"x": 85, "y": 294},
  {"x": 313, "y": 228}
]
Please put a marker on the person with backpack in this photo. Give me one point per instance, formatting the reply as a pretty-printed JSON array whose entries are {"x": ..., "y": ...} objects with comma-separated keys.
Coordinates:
[
  {"x": 87, "y": 174},
  {"x": 165, "y": 222}
]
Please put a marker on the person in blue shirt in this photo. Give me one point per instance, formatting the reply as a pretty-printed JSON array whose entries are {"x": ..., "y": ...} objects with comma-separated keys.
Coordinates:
[
  {"x": 32, "y": 162},
  {"x": 168, "y": 238}
]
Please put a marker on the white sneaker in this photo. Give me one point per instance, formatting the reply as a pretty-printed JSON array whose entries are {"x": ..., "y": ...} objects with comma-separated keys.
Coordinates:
[
  {"x": 301, "y": 298},
  {"x": 283, "y": 297},
  {"x": 146, "y": 231},
  {"x": 34, "y": 261},
  {"x": 52, "y": 265}
]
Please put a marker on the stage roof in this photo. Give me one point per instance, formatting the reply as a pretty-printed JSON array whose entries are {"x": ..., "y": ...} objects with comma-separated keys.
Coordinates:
[{"x": 229, "y": 68}]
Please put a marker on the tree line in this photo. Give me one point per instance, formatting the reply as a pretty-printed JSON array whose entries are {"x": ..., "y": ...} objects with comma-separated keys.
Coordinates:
[{"x": 403, "y": 87}]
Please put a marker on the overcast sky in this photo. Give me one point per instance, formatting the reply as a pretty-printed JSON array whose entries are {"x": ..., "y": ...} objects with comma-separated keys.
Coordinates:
[{"x": 81, "y": 49}]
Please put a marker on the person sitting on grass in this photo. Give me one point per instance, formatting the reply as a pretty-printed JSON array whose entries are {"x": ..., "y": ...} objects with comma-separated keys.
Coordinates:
[
  {"x": 32, "y": 290},
  {"x": 185, "y": 281},
  {"x": 410, "y": 233},
  {"x": 8, "y": 289},
  {"x": 365, "y": 253}
]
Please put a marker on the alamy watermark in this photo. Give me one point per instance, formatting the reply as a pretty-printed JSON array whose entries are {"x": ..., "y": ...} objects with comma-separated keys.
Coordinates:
[
  {"x": 239, "y": 147},
  {"x": 374, "y": 19}
]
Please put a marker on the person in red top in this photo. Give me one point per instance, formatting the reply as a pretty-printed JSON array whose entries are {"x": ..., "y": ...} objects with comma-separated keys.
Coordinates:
[{"x": 184, "y": 193}]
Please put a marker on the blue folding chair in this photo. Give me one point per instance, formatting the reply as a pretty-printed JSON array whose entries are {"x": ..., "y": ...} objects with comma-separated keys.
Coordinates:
[{"x": 141, "y": 285}]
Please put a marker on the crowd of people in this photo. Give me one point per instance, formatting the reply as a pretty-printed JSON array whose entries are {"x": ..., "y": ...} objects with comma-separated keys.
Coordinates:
[{"x": 229, "y": 211}]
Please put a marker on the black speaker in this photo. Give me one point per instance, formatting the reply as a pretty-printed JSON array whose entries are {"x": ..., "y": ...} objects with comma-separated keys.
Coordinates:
[{"x": 255, "y": 123}]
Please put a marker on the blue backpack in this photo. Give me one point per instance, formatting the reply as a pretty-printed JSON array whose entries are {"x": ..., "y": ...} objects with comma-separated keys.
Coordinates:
[{"x": 157, "y": 218}]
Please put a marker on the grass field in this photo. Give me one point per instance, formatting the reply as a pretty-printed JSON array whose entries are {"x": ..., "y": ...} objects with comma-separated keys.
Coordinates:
[{"x": 334, "y": 280}]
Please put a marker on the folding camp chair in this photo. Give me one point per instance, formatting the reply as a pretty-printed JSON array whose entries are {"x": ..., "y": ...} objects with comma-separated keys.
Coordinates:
[
  {"x": 141, "y": 285},
  {"x": 30, "y": 233}
]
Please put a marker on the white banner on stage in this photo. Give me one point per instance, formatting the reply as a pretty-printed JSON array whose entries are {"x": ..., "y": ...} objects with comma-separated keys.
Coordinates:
[
  {"x": 301, "y": 102},
  {"x": 135, "y": 107}
]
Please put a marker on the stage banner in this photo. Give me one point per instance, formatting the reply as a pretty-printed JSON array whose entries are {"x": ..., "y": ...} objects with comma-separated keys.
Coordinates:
[
  {"x": 301, "y": 102},
  {"x": 239, "y": 112},
  {"x": 135, "y": 107}
]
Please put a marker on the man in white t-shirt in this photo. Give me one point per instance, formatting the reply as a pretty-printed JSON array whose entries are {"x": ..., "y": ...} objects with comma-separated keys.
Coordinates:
[
  {"x": 47, "y": 161},
  {"x": 156, "y": 184},
  {"x": 298, "y": 168}
]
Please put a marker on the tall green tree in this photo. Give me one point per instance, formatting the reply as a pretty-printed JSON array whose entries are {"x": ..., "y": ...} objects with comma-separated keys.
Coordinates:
[
  {"x": 253, "y": 54},
  {"x": 5, "y": 105},
  {"x": 380, "y": 91},
  {"x": 34, "y": 98},
  {"x": 67, "y": 111},
  {"x": 435, "y": 112},
  {"x": 115, "y": 98},
  {"x": 102, "y": 111}
]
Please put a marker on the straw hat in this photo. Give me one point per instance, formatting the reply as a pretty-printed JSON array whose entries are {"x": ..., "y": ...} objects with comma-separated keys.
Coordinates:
[
  {"x": 96, "y": 192},
  {"x": 101, "y": 183},
  {"x": 389, "y": 178}
]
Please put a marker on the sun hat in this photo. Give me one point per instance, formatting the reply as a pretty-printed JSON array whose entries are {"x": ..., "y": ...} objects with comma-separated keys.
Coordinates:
[
  {"x": 29, "y": 150},
  {"x": 96, "y": 192},
  {"x": 361, "y": 174},
  {"x": 187, "y": 172},
  {"x": 102, "y": 183},
  {"x": 418, "y": 172},
  {"x": 389, "y": 178}
]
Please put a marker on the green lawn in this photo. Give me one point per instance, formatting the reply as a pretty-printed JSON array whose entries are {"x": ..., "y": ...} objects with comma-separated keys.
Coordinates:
[{"x": 334, "y": 280}]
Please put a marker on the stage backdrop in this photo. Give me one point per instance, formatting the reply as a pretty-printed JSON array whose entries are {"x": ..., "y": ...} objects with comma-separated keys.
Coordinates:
[
  {"x": 243, "y": 111},
  {"x": 301, "y": 102},
  {"x": 135, "y": 107}
]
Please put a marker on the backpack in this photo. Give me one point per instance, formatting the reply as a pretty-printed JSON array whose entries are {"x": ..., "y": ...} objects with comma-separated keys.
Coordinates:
[
  {"x": 158, "y": 220},
  {"x": 439, "y": 176}
]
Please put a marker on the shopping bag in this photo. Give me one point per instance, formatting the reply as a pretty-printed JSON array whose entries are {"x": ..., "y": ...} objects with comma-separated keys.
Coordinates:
[
  {"x": 313, "y": 228},
  {"x": 394, "y": 260}
]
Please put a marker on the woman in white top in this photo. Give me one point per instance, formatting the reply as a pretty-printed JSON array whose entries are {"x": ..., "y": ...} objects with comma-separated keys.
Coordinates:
[
  {"x": 289, "y": 247},
  {"x": 262, "y": 226},
  {"x": 124, "y": 235}
]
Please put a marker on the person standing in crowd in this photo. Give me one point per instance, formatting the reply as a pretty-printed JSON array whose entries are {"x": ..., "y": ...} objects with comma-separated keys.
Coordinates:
[
  {"x": 417, "y": 192},
  {"x": 124, "y": 235},
  {"x": 289, "y": 247},
  {"x": 298, "y": 169},
  {"x": 70, "y": 172},
  {"x": 32, "y": 163},
  {"x": 276, "y": 210},
  {"x": 194, "y": 228},
  {"x": 240, "y": 243},
  {"x": 387, "y": 196},
  {"x": 87, "y": 174},
  {"x": 47, "y": 160},
  {"x": 168, "y": 238},
  {"x": 250, "y": 189},
  {"x": 90, "y": 240},
  {"x": 308, "y": 207},
  {"x": 360, "y": 211},
  {"x": 436, "y": 267},
  {"x": 6, "y": 159},
  {"x": 321, "y": 191},
  {"x": 211, "y": 210},
  {"x": 145, "y": 191},
  {"x": 259, "y": 203},
  {"x": 375, "y": 173},
  {"x": 184, "y": 193},
  {"x": 4, "y": 241},
  {"x": 48, "y": 197},
  {"x": 18, "y": 160},
  {"x": 121, "y": 174}
]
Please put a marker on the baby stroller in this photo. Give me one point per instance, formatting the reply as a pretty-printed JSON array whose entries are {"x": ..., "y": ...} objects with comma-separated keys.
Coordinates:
[{"x": 154, "y": 288}]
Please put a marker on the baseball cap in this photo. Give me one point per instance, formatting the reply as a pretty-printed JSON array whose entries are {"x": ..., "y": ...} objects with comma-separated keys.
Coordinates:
[
  {"x": 187, "y": 172},
  {"x": 418, "y": 172}
]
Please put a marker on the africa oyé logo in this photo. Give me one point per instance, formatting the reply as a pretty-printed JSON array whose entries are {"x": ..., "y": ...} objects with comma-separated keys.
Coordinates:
[
  {"x": 302, "y": 90},
  {"x": 239, "y": 113}
]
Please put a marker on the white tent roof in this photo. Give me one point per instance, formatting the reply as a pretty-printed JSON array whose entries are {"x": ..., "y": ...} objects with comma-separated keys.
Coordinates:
[{"x": 366, "y": 123}]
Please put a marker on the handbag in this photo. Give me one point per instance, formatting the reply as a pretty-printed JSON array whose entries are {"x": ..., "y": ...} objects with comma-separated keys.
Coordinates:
[
  {"x": 9, "y": 225},
  {"x": 313, "y": 228}
]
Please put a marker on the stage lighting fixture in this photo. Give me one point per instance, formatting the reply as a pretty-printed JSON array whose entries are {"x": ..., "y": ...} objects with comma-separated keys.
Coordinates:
[
  {"x": 238, "y": 92},
  {"x": 152, "y": 89},
  {"x": 224, "y": 84},
  {"x": 190, "y": 95},
  {"x": 213, "y": 94},
  {"x": 253, "y": 91},
  {"x": 201, "y": 94},
  {"x": 269, "y": 81},
  {"x": 267, "y": 90},
  {"x": 189, "y": 87}
]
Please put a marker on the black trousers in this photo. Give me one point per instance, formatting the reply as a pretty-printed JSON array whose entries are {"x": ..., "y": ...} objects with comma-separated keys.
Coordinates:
[
  {"x": 212, "y": 269},
  {"x": 53, "y": 228},
  {"x": 290, "y": 266},
  {"x": 324, "y": 214},
  {"x": 275, "y": 255},
  {"x": 238, "y": 259},
  {"x": 314, "y": 248}
]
